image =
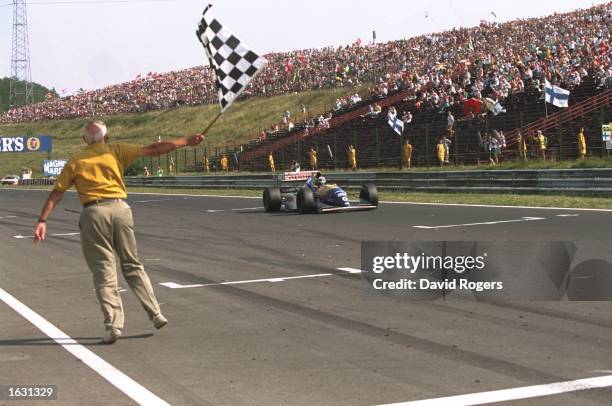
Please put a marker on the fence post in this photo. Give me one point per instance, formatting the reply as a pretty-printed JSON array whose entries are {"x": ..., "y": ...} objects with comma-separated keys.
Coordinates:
[
  {"x": 355, "y": 146},
  {"x": 401, "y": 151},
  {"x": 560, "y": 131},
  {"x": 601, "y": 122},
  {"x": 427, "y": 145},
  {"x": 455, "y": 140},
  {"x": 377, "y": 148}
]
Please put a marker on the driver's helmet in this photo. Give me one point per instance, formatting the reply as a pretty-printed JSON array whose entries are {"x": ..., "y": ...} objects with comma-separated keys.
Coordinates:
[{"x": 321, "y": 181}]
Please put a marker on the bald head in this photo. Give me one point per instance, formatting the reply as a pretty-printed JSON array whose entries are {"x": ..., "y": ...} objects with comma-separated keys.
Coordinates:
[{"x": 94, "y": 132}]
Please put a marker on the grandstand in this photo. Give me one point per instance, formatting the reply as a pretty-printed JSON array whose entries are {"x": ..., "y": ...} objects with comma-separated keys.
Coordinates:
[{"x": 426, "y": 75}]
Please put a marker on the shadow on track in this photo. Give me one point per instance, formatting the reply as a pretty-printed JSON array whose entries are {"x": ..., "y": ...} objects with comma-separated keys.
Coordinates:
[{"x": 86, "y": 341}]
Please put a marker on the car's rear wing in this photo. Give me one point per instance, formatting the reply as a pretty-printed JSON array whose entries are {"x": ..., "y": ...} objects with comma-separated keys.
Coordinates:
[
  {"x": 301, "y": 176},
  {"x": 290, "y": 178}
]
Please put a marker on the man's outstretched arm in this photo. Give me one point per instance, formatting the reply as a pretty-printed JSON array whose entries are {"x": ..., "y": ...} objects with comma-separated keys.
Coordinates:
[
  {"x": 163, "y": 147},
  {"x": 41, "y": 227}
]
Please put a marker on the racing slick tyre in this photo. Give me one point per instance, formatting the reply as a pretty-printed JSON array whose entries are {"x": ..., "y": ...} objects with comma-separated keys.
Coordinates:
[
  {"x": 305, "y": 201},
  {"x": 272, "y": 199},
  {"x": 369, "y": 193}
]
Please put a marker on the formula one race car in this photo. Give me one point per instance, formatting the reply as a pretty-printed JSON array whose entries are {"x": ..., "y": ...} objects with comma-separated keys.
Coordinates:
[{"x": 315, "y": 195}]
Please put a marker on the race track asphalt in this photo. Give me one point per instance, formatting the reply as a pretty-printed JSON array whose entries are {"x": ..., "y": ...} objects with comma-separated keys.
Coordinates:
[{"x": 317, "y": 340}]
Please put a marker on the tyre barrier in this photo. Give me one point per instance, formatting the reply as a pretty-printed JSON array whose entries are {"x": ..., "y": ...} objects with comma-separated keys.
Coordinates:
[{"x": 36, "y": 182}]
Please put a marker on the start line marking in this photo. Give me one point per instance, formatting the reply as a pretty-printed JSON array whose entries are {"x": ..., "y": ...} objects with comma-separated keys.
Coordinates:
[
  {"x": 173, "y": 285},
  {"x": 121, "y": 381},
  {"x": 484, "y": 223},
  {"x": 504, "y": 395}
]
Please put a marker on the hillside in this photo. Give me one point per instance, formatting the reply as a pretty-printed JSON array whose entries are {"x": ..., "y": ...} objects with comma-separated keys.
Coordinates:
[
  {"x": 39, "y": 93},
  {"x": 240, "y": 123}
]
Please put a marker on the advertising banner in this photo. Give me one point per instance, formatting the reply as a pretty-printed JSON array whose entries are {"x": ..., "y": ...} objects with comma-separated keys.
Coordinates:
[
  {"x": 53, "y": 167},
  {"x": 41, "y": 143}
]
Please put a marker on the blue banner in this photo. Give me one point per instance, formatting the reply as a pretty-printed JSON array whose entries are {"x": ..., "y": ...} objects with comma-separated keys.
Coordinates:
[
  {"x": 41, "y": 143},
  {"x": 53, "y": 167}
]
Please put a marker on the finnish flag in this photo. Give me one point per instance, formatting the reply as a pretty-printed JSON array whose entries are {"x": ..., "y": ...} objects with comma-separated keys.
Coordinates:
[
  {"x": 555, "y": 95},
  {"x": 396, "y": 124}
]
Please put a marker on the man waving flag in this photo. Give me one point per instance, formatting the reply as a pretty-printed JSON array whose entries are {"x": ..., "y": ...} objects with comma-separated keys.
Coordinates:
[{"x": 233, "y": 62}]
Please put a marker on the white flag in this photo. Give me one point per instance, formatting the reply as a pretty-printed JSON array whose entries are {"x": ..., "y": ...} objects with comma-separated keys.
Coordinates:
[{"x": 234, "y": 63}]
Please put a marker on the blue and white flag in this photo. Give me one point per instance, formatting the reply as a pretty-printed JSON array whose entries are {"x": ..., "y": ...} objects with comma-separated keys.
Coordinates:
[
  {"x": 555, "y": 95},
  {"x": 396, "y": 124}
]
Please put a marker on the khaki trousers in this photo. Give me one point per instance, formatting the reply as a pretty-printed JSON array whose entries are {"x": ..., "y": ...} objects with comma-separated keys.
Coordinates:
[{"x": 108, "y": 227}]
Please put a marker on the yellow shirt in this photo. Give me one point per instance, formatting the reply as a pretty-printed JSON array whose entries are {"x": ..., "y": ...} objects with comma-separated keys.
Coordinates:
[
  {"x": 441, "y": 152},
  {"x": 541, "y": 141},
  {"x": 313, "y": 156},
  {"x": 97, "y": 171},
  {"x": 581, "y": 143},
  {"x": 407, "y": 151}
]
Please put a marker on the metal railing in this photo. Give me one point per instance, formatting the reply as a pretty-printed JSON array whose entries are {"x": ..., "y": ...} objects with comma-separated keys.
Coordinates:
[{"x": 579, "y": 182}]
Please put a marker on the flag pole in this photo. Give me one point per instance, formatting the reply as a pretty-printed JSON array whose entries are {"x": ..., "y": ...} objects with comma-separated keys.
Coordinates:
[{"x": 212, "y": 122}]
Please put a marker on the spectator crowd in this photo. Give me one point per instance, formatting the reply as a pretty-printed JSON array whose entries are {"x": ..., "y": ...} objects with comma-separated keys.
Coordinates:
[{"x": 493, "y": 60}]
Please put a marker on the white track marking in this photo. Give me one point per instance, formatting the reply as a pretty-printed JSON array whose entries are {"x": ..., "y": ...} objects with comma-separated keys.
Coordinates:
[
  {"x": 248, "y": 208},
  {"x": 173, "y": 285},
  {"x": 121, "y": 381},
  {"x": 568, "y": 215},
  {"x": 497, "y": 206},
  {"x": 8, "y": 217},
  {"x": 350, "y": 270},
  {"x": 504, "y": 395},
  {"x": 484, "y": 223},
  {"x": 49, "y": 235},
  {"x": 213, "y": 211}
]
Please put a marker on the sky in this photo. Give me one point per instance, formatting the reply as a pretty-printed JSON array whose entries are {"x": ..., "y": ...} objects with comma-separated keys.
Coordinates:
[{"x": 93, "y": 45}]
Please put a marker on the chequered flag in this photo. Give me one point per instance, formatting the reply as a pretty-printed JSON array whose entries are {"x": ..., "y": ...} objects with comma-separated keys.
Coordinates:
[{"x": 233, "y": 62}]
